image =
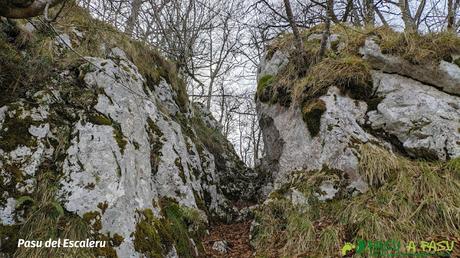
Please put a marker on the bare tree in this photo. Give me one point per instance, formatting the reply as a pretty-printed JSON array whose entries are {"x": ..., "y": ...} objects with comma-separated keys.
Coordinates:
[
  {"x": 133, "y": 17},
  {"x": 411, "y": 23},
  {"x": 369, "y": 12},
  {"x": 300, "y": 53},
  {"x": 452, "y": 7}
]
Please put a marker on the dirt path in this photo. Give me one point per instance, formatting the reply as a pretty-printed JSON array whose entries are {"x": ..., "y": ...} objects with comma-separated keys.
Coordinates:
[{"x": 237, "y": 237}]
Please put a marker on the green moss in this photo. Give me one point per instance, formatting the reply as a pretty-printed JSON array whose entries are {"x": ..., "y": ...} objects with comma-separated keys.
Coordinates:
[
  {"x": 93, "y": 218},
  {"x": 276, "y": 195},
  {"x": 457, "y": 62},
  {"x": 16, "y": 133},
  {"x": 103, "y": 206},
  {"x": 99, "y": 119},
  {"x": 119, "y": 137},
  {"x": 156, "y": 143},
  {"x": 82, "y": 98},
  {"x": 311, "y": 114},
  {"x": 199, "y": 201},
  {"x": 181, "y": 219},
  {"x": 264, "y": 88},
  {"x": 181, "y": 170},
  {"x": 152, "y": 236},
  {"x": 116, "y": 240}
]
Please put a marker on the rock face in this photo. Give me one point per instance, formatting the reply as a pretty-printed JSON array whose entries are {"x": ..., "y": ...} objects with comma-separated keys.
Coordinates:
[
  {"x": 121, "y": 148},
  {"x": 417, "y": 114},
  {"x": 445, "y": 76}
]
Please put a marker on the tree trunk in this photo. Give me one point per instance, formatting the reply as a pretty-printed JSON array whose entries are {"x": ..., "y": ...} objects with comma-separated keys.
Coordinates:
[
  {"x": 208, "y": 99},
  {"x": 133, "y": 17},
  {"x": 369, "y": 13},
  {"x": 348, "y": 9},
  {"x": 301, "y": 59},
  {"x": 324, "y": 40},
  {"x": 452, "y": 6},
  {"x": 409, "y": 23}
]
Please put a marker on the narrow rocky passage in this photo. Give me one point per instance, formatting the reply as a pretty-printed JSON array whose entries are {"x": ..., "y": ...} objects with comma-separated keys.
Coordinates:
[{"x": 229, "y": 240}]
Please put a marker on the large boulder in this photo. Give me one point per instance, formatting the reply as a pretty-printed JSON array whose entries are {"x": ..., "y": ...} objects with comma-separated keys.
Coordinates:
[
  {"x": 121, "y": 156},
  {"x": 414, "y": 111}
]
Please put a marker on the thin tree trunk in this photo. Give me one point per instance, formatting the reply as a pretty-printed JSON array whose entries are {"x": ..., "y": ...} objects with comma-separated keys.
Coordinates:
[
  {"x": 133, "y": 17},
  {"x": 300, "y": 57},
  {"x": 409, "y": 23},
  {"x": 208, "y": 100},
  {"x": 369, "y": 13},
  {"x": 451, "y": 10},
  {"x": 382, "y": 18},
  {"x": 324, "y": 40},
  {"x": 348, "y": 9}
]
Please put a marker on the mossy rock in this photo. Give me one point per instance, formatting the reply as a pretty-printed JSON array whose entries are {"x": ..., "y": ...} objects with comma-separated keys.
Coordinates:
[
  {"x": 181, "y": 219},
  {"x": 99, "y": 119},
  {"x": 15, "y": 132},
  {"x": 178, "y": 164},
  {"x": 311, "y": 114},
  {"x": 457, "y": 62},
  {"x": 156, "y": 144},
  {"x": 119, "y": 137},
  {"x": 153, "y": 237},
  {"x": 264, "y": 88}
]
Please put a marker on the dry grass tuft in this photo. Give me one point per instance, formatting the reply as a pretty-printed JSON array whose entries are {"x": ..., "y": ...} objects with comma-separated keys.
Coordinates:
[
  {"x": 419, "y": 49},
  {"x": 343, "y": 67},
  {"x": 408, "y": 201},
  {"x": 351, "y": 74},
  {"x": 47, "y": 219}
]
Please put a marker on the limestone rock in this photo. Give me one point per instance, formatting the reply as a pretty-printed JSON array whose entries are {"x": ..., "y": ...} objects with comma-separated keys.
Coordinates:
[
  {"x": 418, "y": 114},
  {"x": 120, "y": 147},
  {"x": 221, "y": 246},
  {"x": 289, "y": 144},
  {"x": 274, "y": 64},
  {"x": 445, "y": 76},
  {"x": 424, "y": 119}
]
